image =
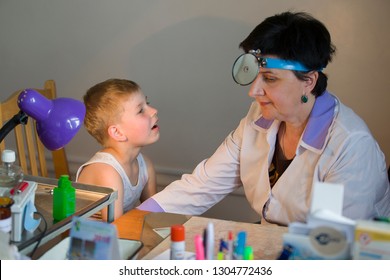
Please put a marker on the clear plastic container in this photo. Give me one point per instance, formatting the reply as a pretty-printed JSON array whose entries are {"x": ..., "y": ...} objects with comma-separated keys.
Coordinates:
[{"x": 11, "y": 175}]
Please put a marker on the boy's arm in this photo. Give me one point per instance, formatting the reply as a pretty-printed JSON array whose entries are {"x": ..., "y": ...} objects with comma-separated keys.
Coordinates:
[
  {"x": 100, "y": 174},
  {"x": 151, "y": 186}
]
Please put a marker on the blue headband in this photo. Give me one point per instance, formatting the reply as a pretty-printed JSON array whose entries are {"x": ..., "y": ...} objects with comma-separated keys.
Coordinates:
[{"x": 268, "y": 62}]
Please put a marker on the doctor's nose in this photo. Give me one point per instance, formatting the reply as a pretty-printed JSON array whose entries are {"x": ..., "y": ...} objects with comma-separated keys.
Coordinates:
[{"x": 257, "y": 87}]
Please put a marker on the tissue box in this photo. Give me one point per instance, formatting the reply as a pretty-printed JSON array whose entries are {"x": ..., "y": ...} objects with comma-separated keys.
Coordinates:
[
  {"x": 372, "y": 240},
  {"x": 320, "y": 243}
]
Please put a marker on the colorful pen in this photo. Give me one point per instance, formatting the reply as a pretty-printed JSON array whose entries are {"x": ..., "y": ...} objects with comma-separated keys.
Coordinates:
[
  {"x": 210, "y": 241},
  {"x": 241, "y": 241},
  {"x": 205, "y": 240},
  {"x": 230, "y": 244},
  {"x": 19, "y": 188},
  {"x": 286, "y": 252},
  {"x": 248, "y": 253},
  {"x": 199, "y": 249},
  {"x": 223, "y": 246}
]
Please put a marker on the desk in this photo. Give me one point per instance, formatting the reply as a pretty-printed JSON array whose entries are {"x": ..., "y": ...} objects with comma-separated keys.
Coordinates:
[
  {"x": 89, "y": 200},
  {"x": 266, "y": 240}
]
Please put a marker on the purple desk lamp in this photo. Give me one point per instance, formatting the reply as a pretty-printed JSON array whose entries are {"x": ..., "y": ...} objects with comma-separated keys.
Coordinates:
[{"x": 57, "y": 120}]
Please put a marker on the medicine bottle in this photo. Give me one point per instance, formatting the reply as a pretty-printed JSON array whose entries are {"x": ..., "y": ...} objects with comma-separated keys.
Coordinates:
[
  {"x": 178, "y": 245},
  {"x": 64, "y": 199},
  {"x": 5, "y": 213},
  {"x": 11, "y": 175}
]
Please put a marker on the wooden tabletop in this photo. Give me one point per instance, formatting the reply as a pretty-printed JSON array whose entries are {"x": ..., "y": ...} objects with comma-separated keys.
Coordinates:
[
  {"x": 130, "y": 224},
  {"x": 266, "y": 240}
]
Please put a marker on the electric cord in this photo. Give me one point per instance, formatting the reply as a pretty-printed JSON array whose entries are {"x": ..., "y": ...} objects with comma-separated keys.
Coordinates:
[{"x": 42, "y": 234}]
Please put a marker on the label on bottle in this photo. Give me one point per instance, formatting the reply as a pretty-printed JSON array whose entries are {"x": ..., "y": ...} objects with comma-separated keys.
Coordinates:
[
  {"x": 177, "y": 250},
  {"x": 6, "y": 224}
]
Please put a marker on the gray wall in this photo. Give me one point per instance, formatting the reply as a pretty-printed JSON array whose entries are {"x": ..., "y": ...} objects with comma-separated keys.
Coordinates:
[{"x": 181, "y": 53}]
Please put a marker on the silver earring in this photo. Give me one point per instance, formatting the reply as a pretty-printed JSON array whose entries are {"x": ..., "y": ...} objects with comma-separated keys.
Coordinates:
[{"x": 304, "y": 98}]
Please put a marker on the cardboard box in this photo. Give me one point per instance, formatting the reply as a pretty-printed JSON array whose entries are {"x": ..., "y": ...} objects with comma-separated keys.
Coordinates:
[{"x": 372, "y": 240}]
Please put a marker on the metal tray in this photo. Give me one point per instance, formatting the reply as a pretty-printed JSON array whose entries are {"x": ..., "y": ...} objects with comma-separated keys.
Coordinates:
[{"x": 89, "y": 200}]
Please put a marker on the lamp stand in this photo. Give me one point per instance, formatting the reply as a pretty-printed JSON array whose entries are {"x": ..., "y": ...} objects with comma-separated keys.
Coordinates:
[{"x": 19, "y": 118}]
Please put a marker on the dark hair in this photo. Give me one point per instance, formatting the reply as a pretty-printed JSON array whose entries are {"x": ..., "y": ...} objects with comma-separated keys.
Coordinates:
[{"x": 294, "y": 36}]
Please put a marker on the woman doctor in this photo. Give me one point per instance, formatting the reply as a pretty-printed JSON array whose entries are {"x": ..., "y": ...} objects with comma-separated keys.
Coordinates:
[{"x": 296, "y": 133}]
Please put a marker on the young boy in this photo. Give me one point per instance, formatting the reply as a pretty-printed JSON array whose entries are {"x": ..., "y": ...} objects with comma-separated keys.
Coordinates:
[{"x": 119, "y": 117}]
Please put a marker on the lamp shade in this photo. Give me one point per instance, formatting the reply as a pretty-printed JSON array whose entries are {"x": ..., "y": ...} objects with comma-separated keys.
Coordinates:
[{"x": 58, "y": 120}]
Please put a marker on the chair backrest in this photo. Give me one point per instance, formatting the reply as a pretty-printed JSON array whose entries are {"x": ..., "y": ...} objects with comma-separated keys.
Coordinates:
[{"x": 31, "y": 154}]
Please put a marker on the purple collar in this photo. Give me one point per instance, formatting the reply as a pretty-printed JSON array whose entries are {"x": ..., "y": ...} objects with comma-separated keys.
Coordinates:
[{"x": 320, "y": 119}]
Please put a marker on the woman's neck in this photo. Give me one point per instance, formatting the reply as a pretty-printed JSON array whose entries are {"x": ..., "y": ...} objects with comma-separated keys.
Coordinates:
[{"x": 289, "y": 136}]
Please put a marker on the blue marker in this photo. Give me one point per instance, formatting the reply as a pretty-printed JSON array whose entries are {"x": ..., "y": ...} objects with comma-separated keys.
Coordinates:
[
  {"x": 240, "y": 245},
  {"x": 286, "y": 253},
  {"x": 223, "y": 245}
]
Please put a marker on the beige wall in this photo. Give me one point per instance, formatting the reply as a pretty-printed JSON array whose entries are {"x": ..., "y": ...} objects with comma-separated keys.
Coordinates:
[{"x": 181, "y": 53}]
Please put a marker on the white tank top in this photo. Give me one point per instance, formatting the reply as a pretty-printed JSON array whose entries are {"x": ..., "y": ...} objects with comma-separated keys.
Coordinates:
[{"x": 131, "y": 194}]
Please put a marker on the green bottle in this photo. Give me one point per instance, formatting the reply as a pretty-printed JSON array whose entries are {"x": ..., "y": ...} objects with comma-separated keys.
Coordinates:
[{"x": 64, "y": 199}]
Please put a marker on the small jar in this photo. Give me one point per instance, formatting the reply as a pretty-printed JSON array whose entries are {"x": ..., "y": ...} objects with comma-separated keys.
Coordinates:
[{"x": 5, "y": 213}]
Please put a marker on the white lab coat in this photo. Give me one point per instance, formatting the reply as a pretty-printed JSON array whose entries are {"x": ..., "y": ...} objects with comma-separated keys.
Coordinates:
[{"x": 336, "y": 147}]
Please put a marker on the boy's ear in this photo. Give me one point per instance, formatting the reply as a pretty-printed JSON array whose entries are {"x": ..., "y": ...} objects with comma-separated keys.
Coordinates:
[{"x": 115, "y": 133}]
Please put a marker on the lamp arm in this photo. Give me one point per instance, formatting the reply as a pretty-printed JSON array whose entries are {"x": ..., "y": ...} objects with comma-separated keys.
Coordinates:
[{"x": 19, "y": 118}]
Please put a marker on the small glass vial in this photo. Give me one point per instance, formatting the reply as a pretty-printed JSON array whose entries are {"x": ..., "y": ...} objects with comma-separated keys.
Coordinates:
[
  {"x": 178, "y": 244},
  {"x": 11, "y": 175}
]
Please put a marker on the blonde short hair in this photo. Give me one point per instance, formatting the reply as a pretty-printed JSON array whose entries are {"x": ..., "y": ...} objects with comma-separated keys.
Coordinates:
[{"x": 103, "y": 105}]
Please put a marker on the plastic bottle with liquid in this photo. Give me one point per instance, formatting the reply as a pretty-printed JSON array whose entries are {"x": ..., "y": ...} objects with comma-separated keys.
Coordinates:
[
  {"x": 11, "y": 175},
  {"x": 178, "y": 245},
  {"x": 64, "y": 199}
]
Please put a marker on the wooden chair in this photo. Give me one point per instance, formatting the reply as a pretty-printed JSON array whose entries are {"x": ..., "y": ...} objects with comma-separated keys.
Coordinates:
[{"x": 31, "y": 154}]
